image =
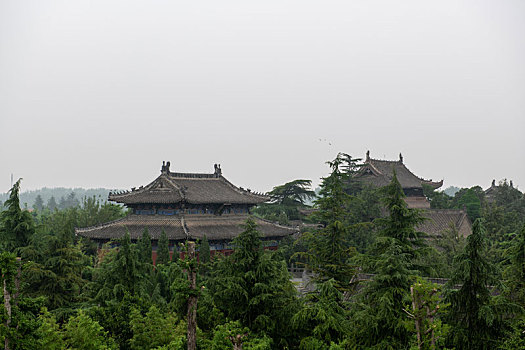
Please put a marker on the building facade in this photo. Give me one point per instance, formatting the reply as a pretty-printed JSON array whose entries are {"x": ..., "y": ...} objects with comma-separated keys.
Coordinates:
[
  {"x": 379, "y": 173},
  {"x": 187, "y": 206}
]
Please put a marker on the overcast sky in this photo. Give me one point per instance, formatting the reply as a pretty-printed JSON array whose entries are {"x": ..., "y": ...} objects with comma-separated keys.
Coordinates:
[{"x": 99, "y": 93}]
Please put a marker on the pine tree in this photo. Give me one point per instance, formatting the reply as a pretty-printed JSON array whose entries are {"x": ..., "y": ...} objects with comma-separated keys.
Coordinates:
[
  {"x": 328, "y": 253},
  {"x": 39, "y": 203},
  {"x": 163, "y": 252},
  {"x": 119, "y": 274},
  {"x": 475, "y": 322},
  {"x": 515, "y": 272},
  {"x": 52, "y": 204},
  {"x": 16, "y": 225},
  {"x": 254, "y": 287},
  {"x": 144, "y": 248},
  {"x": 204, "y": 251},
  {"x": 380, "y": 319}
]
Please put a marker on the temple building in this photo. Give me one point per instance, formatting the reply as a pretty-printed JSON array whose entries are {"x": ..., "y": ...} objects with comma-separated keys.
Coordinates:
[
  {"x": 187, "y": 206},
  {"x": 379, "y": 173}
]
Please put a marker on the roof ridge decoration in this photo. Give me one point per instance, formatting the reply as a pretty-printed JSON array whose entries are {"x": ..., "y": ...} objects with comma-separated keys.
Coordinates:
[
  {"x": 381, "y": 170},
  {"x": 195, "y": 188}
]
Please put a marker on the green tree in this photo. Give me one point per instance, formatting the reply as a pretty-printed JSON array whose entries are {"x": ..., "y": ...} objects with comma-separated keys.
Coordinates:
[
  {"x": 55, "y": 271},
  {"x": 163, "y": 252},
  {"x": 234, "y": 335},
  {"x": 254, "y": 287},
  {"x": 52, "y": 204},
  {"x": 515, "y": 271},
  {"x": 470, "y": 198},
  {"x": 328, "y": 252},
  {"x": 296, "y": 192},
  {"x": 379, "y": 317},
  {"x": 476, "y": 321},
  {"x": 119, "y": 274},
  {"x": 49, "y": 333},
  {"x": 83, "y": 333},
  {"x": 286, "y": 200},
  {"x": 16, "y": 225},
  {"x": 425, "y": 310},
  {"x": 322, "y": 319},
  {"x": 204, "y": 251},
  {"x": 39, "y": 203},
  {"x": 154, "y": 329},
  {"x": 144, "y": 248},
  {"x": 71, "y": 200}
]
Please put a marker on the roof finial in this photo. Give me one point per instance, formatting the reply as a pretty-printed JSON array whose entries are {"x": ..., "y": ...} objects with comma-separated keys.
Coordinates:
[
  {"x": 218, "y": 171},
  {"x": 163, "y": 168},
  {"x": 400, "y": 158},
  {"x": 511, "y": 184},
  {"x": 493, "y": 182},
  {"x": 367, "y": 155}
]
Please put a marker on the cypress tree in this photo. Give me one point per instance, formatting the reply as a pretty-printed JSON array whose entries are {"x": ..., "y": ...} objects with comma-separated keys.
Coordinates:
[
  {"x": 380, "y": 319},
  {"x": 328, "y": 252},
  {"x": 16, "y": 225},
  {"x": 254, "y": 287},
  {"x": 144, "y": 247},
  {"x": 515, "y": 272},
  {"x": 474, "y": 320},
  {"x": 52, "y": 204},
  {"x": 39, "y": 203},
  {"x": 204, "y": 251},
  {"x": 163, "y": 252}
]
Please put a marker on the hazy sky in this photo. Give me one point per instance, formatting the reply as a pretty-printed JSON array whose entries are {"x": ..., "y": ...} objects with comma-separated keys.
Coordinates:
[{"x": 99, "y": 93}]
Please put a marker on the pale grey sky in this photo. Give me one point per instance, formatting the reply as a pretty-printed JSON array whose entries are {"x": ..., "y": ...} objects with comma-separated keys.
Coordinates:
[{"x": 98, "y": 93}]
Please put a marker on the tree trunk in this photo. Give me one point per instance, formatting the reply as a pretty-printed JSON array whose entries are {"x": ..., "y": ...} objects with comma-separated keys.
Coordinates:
[
  {"x": 192, "y": 300},
  {"x": 237, "y": 341},
  {"x": 7, "y": 305}
]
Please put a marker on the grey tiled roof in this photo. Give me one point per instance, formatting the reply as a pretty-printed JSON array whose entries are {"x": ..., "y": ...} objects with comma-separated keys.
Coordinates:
[
  {"x": 440, "y": 220},
  {"x": 191, "y": 188},
  {"x": 224, "y": 227},
  {"x": 380, "y": 172}
]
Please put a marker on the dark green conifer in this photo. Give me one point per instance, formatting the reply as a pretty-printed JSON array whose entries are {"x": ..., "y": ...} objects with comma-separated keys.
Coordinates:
[
  {"x": 253, "y": 286},
  {"x": 39, "y": 203},
  {"x": 144, "y": 247},
  {"x": 163, "y": 252},
  {"x": 380, "y": 319},
  {"x": 328, "y": 252},
  {"x": 477, "y": 325},
  {"x": 515, "y": 272},
  {"x": 16, "y": 225},
  {"x": 204, "y": 251}
]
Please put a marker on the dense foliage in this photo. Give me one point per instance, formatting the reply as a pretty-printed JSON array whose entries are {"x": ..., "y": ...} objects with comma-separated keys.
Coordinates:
[{"x": 369, "y": 268}]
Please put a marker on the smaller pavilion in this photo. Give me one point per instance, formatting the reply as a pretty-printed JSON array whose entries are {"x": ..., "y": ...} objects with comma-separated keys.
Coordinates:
[{"x": 379, "y": 173}]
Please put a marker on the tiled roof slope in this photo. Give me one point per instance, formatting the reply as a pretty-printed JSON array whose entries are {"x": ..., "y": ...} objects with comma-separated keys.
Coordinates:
[
  {"x": 380, "y": 172},
  {"x": 191, "y": 188},
  {"x": 440, "y": 220},
  {"x": 224, "y": 227}
]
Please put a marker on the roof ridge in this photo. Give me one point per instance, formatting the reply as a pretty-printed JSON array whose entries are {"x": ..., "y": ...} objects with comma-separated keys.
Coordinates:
[
  {"x": 242, "y": 190},
  {"x": 193, "y": 175},
  {"x": 383, "y": 160},
  {"x": 181, "y": 192},
  {"x": 86, "y": 229}
]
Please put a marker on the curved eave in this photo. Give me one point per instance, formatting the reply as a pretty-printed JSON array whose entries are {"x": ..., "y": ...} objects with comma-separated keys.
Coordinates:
[
  {"x": 224, "y": 227},
  {"x": 192, "y": 189},
  {"x": 435, "y": 185}
]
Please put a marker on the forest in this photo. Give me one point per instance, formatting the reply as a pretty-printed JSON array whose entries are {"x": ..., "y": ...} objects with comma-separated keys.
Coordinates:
[{"x": 61, "y": 292}]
